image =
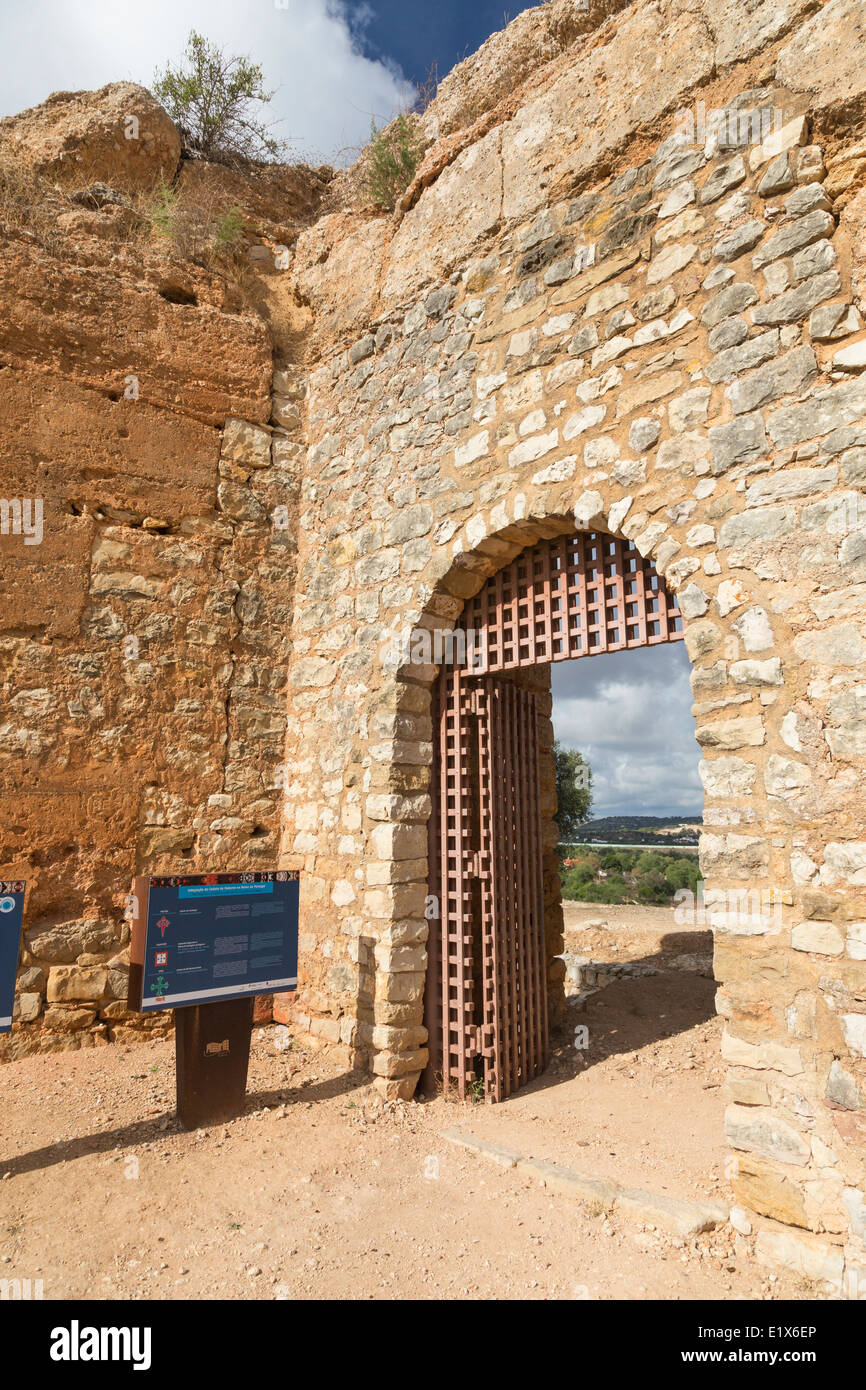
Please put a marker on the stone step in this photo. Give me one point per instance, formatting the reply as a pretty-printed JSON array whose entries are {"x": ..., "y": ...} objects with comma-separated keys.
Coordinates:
[{"x": 671, "y": 1214}]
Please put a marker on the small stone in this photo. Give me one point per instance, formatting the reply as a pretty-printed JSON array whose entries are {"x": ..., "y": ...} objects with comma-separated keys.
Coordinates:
[
  {"x": 810, "y": 164},
  {"x": 788, "y": 375},
  {"x": 794, "y": 305},
  {"x": 831, "y": 410},
  {"x": 363, "y": 348},
  {"x": 738, "y": 442},
  {"x": 807, "y": 199},
  {"x": 693, "y": 601},
  {"x": 778, "y": 178},
  {"x": 669, "y": 262},
  {"x": 723, "y": 178},
  {"x": 793, "y": 236},
  {"x": 653, "y": 305},
  {"x": 736, "y": 243},
  {"x": 820, "y": 938},
  {"x": 729, "y": 333},
  {"x": 439, "y": 301},
  {"x": 843, "y": 1090},
  {"x": 831, "y": 321},
  {"x": 643, "y": 433},
  {"x": 790, "y": 135},
  {"x": 246, "y": 443},
  {"x": 851, "y": 358},
  {"x": 743, "y": 355},
  {"x": 814, "y": 260},
  {"x": 722, "y": 275},
  {"x": 733, "y": 299},
  {"x": 584, "y": 340},
  {"x": 679, "y": 197},
  {"x": 690, "y": 409}
]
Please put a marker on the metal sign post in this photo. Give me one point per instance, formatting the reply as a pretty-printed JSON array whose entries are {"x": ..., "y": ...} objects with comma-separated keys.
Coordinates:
[
  {"x": 11, "y": 916},
  {"x": 205, "y": 945},
  {"x": 212, "y": 1055}
]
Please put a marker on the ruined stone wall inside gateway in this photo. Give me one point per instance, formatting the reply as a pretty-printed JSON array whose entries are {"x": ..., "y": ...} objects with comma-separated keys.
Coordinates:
[{"x": 598, "y": 305}]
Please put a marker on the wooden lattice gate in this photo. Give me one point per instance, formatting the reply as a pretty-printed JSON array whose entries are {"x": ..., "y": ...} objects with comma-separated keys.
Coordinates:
[{"x": 486, "y": 997}]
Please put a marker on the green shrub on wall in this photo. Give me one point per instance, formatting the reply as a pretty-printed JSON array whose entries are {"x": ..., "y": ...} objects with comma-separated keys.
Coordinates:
[{"x": 390, "y": 161}]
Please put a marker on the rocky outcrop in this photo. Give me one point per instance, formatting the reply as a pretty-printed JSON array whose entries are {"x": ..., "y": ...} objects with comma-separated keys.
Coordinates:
[
  {"x": 119, "y": 135},
  {"x": 136, "y": 415}
]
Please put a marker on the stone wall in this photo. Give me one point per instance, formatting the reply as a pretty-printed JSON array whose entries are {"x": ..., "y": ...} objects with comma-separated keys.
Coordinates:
[{"x": 673, "y": 356}]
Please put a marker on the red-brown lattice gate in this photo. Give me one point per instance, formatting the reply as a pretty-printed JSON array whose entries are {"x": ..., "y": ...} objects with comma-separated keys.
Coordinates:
[{"x": 486, "y": 997}]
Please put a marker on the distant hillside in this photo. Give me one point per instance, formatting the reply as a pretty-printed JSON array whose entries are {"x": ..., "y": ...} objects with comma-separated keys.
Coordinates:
[{"x": 640, "y": 830}]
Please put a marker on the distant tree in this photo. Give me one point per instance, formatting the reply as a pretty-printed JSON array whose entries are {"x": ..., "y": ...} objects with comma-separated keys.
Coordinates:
[
  {"x": 683, "y": 873},
  {"x": 212, "y": 98},
  {"x": 573, "y": 789}
]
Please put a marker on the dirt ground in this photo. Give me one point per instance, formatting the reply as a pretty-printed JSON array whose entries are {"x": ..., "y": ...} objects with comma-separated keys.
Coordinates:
[{"x": 321, "y": 1191}]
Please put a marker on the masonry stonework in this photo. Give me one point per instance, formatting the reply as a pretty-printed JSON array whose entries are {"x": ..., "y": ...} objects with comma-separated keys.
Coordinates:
[
  {"x": 592, "y": 311},
  {"x": 673, "y": 358}
]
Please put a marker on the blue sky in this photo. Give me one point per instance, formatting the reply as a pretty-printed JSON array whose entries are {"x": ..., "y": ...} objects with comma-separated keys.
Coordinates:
[{"x": 417, "y": 36}]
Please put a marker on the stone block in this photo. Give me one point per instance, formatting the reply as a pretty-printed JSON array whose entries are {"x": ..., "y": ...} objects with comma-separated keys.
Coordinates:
[{"x": 69, "y": 983}]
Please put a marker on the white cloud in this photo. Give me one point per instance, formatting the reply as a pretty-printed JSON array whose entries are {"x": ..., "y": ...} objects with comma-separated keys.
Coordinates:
[
  {"x": 629, "y": 713},
  {"x": 327, "y": 90}
]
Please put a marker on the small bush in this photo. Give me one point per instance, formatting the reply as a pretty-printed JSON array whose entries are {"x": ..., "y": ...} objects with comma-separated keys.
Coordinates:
[
  {"x": 163, "y": 211},
  {"x": 31, "y": 204},
  {"x": 229, "y": 229},
  {"x": 196, "y": 223},
  {"x": 213, "y": 98},
  {"x": 390, "y": 161}
]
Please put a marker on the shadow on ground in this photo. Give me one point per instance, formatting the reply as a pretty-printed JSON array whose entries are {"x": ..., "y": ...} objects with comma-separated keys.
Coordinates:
[
  {"x": 155, "y": 1127},
  {"x": 635, "y": 1011}
]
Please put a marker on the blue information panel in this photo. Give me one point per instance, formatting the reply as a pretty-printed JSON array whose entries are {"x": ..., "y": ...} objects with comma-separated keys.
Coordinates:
[
  {"x": 201, "y": 938},
  {"x": 11, "y": 914}
]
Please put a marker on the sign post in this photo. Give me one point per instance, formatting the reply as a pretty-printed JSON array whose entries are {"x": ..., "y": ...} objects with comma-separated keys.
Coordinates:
[
  {"x": 11, "y": 916},
  {"x": 205, "y": 945}
]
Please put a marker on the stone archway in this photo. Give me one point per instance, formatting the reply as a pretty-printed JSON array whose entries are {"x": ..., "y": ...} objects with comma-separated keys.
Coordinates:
[{"x": 492, "y": 948}]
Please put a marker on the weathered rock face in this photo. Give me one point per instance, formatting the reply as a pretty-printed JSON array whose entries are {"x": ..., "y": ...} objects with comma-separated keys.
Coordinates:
[
  {"x": 276, "y": 199},
  {"x": 504, "y": 63},
  {"x": 154, "y": 595},
  {"x": 630, "y": 299},
  {"x": 119, "y": 135},
  {"x": 117, "y": 315}
]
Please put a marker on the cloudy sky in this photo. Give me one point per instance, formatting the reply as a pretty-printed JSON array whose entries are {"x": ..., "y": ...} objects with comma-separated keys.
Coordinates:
[
  {"x": 629, "y": 713},
  {"x": 334, "y": 63}
]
